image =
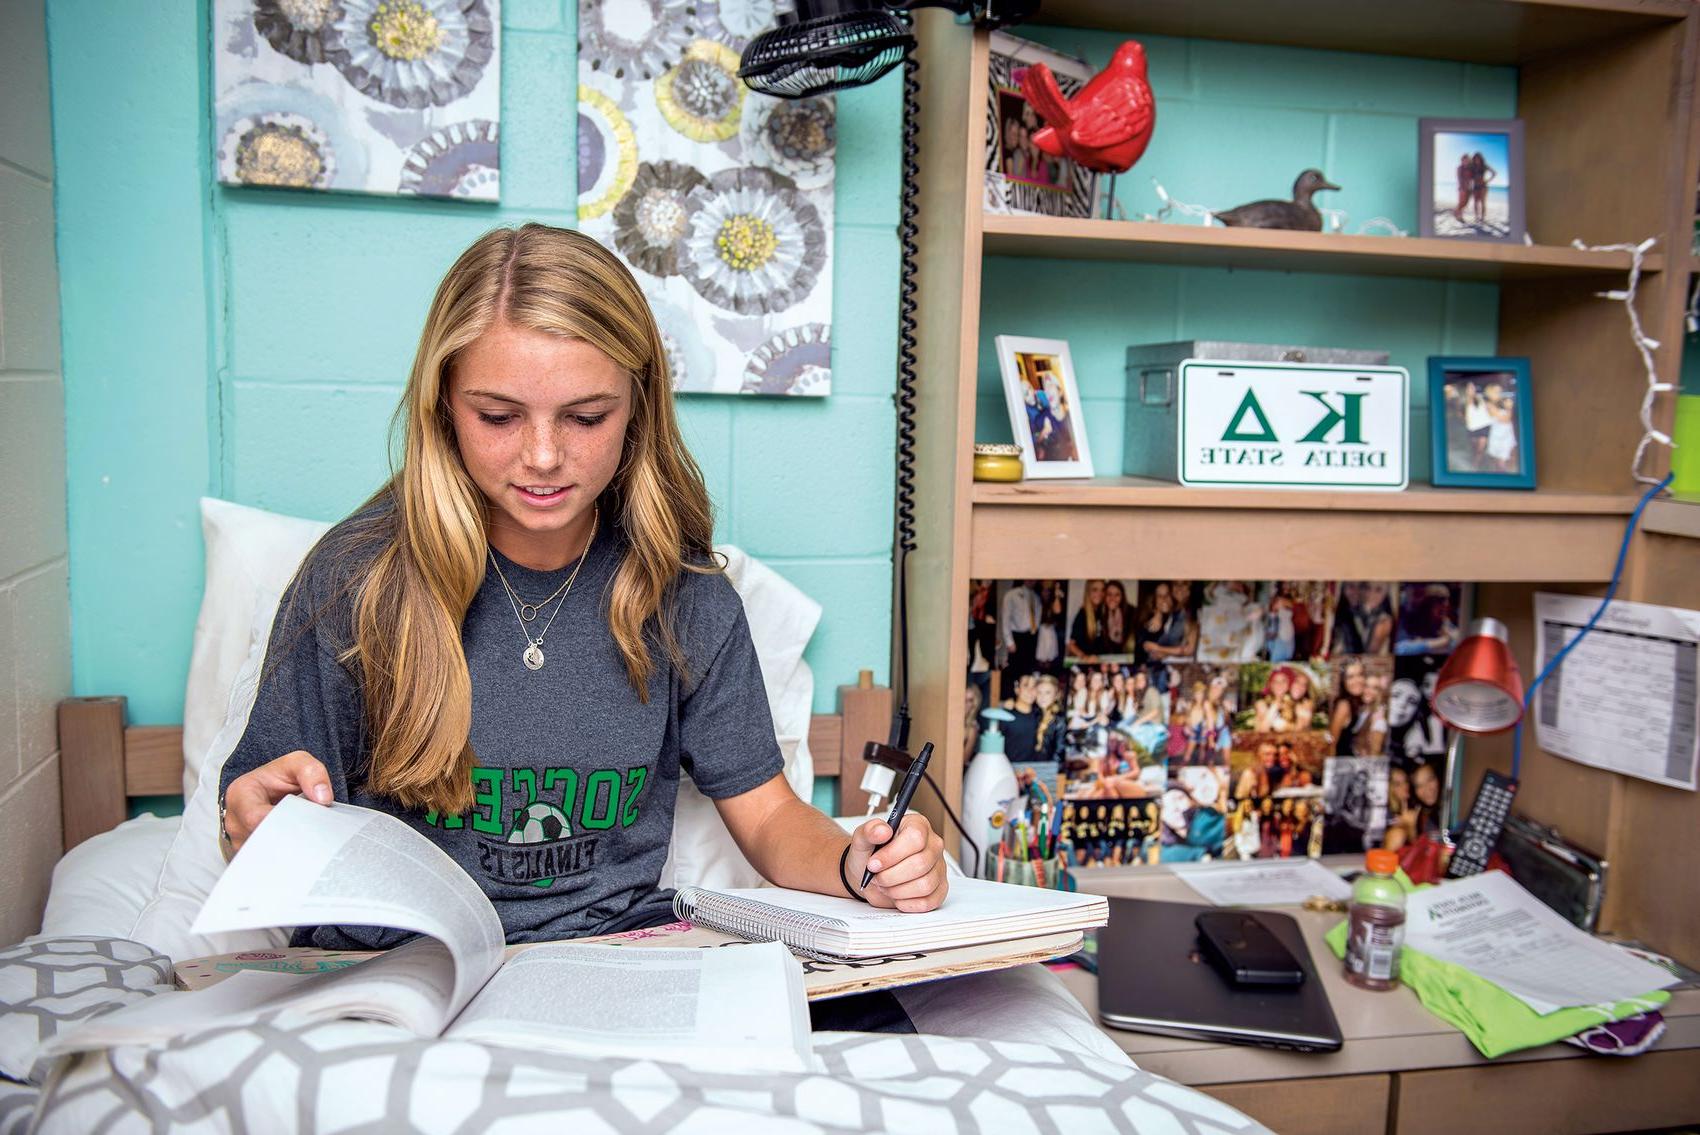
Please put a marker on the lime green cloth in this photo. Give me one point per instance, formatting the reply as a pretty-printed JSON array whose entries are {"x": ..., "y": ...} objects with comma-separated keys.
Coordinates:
[{"x": 1494, "y": 1020}]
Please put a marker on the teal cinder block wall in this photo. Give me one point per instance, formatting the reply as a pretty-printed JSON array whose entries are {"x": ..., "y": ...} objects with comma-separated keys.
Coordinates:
[
  {"x": 252, "y": 344},
  {"x": 1237, "y": 123}
]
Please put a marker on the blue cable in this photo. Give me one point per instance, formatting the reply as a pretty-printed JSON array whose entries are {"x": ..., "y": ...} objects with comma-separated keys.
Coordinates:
[{"x": 1616, "y": 575}]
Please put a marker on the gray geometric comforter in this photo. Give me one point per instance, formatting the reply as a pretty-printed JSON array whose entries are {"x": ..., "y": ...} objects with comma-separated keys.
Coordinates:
[
  {"x": 280, "y": 1076},
  {"x": 283, "y": 1073}
]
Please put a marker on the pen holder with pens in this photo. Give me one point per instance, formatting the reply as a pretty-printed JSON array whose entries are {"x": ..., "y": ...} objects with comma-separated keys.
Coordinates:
[
  {"x": 1051, "y": 872},
  {"x": 1027, "y": 852}
]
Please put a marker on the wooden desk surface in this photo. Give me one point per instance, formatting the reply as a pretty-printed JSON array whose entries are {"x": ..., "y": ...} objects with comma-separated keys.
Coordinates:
[{"x": 1383, "y": 1032}]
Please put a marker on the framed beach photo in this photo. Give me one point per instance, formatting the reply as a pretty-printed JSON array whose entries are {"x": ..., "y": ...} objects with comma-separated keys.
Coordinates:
[
  {"x": 1044, "y": 406},
  {"x": 1482, "y": 422},
  {"x": 1470, "y": 179}
]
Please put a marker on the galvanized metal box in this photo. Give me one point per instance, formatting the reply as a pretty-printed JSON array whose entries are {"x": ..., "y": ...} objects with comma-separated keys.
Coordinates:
[{"x": 1359, "y": 438}]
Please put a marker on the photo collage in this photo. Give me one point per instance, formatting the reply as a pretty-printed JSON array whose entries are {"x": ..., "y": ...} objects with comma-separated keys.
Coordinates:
[{"x": 1186, "y": 720}]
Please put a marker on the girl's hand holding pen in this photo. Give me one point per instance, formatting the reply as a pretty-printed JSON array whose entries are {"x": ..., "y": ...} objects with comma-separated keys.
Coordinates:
[{"x": 909, "y": 873}]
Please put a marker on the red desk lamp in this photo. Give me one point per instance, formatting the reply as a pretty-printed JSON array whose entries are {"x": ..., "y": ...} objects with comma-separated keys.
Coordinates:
[{"x": 1479, "y": 692}]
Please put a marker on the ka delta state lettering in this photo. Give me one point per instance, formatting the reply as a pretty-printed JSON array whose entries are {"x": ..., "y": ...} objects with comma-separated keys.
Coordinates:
[
  {"x": 546, "y": 823},
  {"x": 1250, "y": 425}
]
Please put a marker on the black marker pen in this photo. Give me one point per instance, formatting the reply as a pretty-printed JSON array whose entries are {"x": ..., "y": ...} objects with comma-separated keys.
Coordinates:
[{"x": 900, "y": 804}]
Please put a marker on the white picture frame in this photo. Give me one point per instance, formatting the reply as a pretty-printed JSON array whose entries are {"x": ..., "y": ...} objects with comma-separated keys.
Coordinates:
[{"x": 1062, "y": 449}]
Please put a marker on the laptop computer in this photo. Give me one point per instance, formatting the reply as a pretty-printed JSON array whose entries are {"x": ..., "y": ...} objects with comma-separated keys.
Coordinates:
[{"x": 1152, "y": 978}]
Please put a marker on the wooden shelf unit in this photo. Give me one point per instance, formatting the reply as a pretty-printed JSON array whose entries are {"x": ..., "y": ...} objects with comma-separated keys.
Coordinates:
[
  {"x": 1604, "y": 86},
  {"x": 1221, "y": 247}
]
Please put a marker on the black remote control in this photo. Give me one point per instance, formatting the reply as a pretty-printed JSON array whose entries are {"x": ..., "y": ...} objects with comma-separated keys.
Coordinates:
[{"x": 1481, "y": 831}]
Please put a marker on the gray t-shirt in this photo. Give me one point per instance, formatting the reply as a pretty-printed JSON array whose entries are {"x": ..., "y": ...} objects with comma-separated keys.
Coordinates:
[{"x": 575, "y": 780}]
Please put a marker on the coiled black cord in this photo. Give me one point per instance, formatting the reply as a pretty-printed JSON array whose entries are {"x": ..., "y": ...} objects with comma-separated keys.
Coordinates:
[{"x": 907, "y": 233}]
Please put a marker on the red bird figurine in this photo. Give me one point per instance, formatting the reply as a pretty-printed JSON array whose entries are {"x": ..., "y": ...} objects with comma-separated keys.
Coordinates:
[{"x": 1107, "y": 124}]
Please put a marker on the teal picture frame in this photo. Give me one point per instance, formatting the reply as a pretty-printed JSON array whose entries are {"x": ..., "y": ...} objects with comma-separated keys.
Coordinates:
[{"x": 1470, "y": 422}]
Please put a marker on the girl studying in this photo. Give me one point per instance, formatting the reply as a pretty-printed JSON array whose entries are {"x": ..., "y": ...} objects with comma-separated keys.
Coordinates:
[{"x": 522, "y": 639}]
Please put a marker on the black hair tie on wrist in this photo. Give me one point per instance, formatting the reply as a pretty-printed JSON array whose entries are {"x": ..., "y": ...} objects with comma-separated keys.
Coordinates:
[{"x": 843, "y": 857}]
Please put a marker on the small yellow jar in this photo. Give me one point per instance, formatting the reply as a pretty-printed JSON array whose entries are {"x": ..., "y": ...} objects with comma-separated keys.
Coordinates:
[{"x": 997, "y": 462}]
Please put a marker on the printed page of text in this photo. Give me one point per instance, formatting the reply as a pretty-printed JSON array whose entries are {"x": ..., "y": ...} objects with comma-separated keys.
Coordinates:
[
  {"x": 1497, "y": 930},
  {"x": 738, "y": 1007},
  {"x": 407, "y": 987},
  {"x": 312, "y": 865}
]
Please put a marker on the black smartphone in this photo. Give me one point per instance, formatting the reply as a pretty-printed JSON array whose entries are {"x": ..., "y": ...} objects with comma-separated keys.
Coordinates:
[{"x": 1244, "y": 951}]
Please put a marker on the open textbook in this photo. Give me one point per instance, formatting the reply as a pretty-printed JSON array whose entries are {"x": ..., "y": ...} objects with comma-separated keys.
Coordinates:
[
  {"x": 823, "y": 977},
  {"x": 309, "y": 864},
  {"x": 657, "y": 992}
]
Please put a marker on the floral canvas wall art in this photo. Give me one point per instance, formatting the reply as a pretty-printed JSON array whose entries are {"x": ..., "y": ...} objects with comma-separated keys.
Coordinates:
[
  {"x": 368, "y": 96},
  {"x": 719, "y": 199}
]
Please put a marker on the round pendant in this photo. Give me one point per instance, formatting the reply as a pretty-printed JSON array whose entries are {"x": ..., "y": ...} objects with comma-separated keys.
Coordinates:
[
  {"x": 534, "y": 657},
  {"x": 527, "y": 612}
]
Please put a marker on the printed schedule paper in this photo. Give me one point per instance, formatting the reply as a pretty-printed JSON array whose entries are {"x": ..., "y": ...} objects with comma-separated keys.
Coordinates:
[
  {"x": 1276, "y": 882},
  {"x": 1492, "y": 927},
  {"x": 1624, "y": 700}
]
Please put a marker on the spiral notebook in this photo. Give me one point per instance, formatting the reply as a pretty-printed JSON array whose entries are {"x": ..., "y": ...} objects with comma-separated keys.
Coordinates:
[{"x": 974, "y": 912}]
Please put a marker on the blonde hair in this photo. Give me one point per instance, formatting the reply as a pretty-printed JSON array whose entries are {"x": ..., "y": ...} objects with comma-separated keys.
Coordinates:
[
  {"x": 1091, "y": 611},
  {"x": 431, "y": 547}
]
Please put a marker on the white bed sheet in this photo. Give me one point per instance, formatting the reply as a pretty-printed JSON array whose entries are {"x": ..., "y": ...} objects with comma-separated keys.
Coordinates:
[{"x": 101, "y": 885}]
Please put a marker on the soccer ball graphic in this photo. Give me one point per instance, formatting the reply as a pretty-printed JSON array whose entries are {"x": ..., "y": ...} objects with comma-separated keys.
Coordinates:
[{"x": 540, "y": 823}]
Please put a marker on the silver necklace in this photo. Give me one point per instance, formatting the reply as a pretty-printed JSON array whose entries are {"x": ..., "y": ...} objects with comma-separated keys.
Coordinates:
[
  {"x": 533, "y": 656},
  {"x": 528, "y": 611}
]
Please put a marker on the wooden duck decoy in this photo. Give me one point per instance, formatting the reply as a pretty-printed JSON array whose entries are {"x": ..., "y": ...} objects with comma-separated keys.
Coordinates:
[{"x": 1298, "y": 213}]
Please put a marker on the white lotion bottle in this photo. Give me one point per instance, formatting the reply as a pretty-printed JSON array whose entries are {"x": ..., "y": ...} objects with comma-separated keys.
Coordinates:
[{"x": 988, "y": 792}]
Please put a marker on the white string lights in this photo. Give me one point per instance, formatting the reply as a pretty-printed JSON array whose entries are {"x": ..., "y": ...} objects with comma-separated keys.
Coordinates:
[
  {"x": 1334, "y": 220},
  {"x": 1645, "y": 345},
  {"x": 1381, "y": 226},
  {"x": 1170, "y": 205}
]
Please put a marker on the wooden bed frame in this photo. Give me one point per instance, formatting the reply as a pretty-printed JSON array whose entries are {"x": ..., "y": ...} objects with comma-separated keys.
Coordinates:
[{"x": 103, "y": 761}]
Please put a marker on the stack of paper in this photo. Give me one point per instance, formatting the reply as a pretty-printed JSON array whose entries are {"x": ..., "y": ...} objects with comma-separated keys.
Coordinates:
[
  {"x": 1497, "y": 930},
  {"x": 1260, "y": 882},
  {"x": 974, "y": 912}
]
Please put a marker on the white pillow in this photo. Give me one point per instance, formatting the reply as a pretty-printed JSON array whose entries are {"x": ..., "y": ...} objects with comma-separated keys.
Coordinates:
[
  {"x": 782, "y": 619},
  {"x": 101, "y": 885},
  {"x": 251, "y": 556},
  {"x": 1027, "y": 1003},
  {"x": 195, "y": 861}
]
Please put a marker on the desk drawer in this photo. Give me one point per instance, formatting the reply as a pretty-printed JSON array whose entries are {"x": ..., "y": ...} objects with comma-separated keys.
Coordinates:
[
  {"x": 1553, "y": 1097},
  {"x": 1326, "y": 1105}
]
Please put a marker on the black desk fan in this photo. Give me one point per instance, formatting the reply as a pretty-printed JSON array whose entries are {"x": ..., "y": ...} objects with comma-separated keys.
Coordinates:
[{"x": 832, "y": 45}]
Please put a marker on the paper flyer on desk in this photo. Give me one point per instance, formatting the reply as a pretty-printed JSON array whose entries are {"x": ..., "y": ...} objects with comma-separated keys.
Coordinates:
[
  {"x": 1494, "y": 928},
  {"x": 1274, "y": 882},
  {"x": 1625, "y": 699}
]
